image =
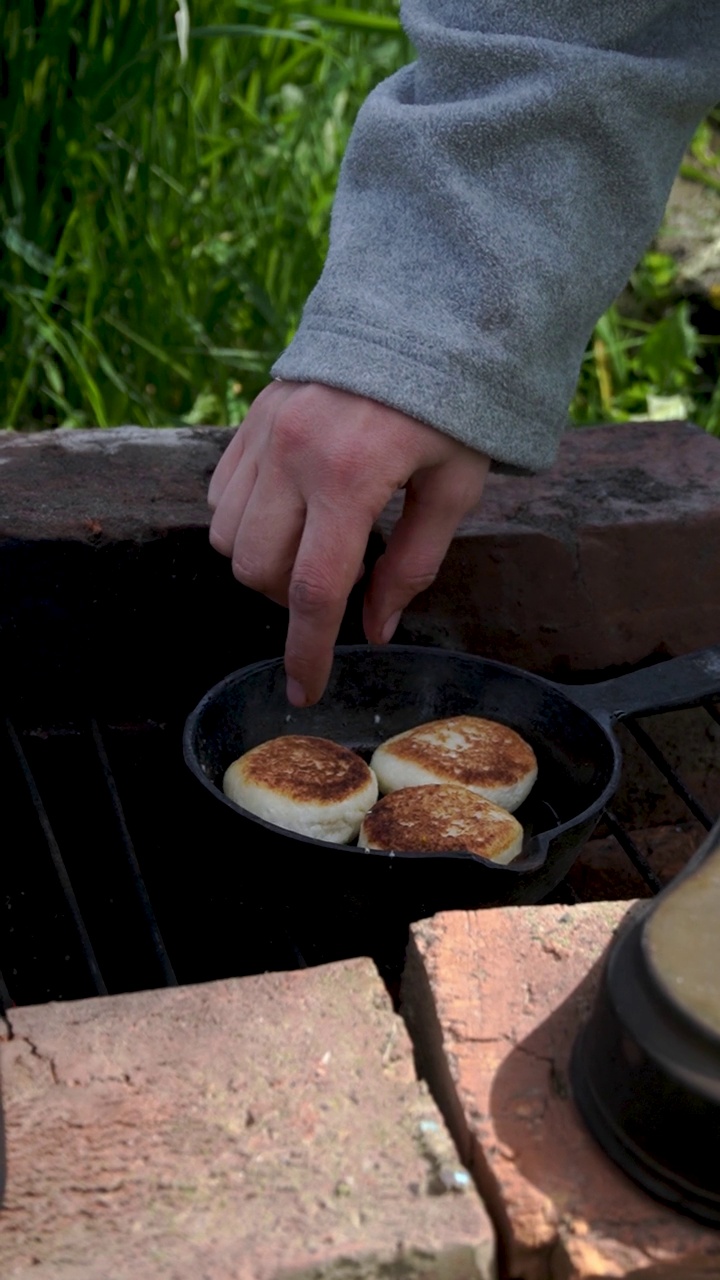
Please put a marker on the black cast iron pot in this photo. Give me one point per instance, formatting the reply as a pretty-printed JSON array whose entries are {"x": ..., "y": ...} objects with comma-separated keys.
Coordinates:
[{"x": 646, "y": 1069}]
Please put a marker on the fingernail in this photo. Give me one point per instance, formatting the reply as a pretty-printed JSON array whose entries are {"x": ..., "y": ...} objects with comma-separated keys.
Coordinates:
[
  {"x": 295, "y": 693},
  {"x": 390, "y": 627}
]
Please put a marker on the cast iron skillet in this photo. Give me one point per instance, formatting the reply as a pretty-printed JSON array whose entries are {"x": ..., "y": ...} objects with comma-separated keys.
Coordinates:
[{"x": 375, "y": 692}]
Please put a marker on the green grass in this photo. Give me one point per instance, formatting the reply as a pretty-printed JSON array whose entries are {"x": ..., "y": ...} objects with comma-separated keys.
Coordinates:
[
  {"x": 649, "y": 353},
  {"x": 638, "y": 368},
  {"x": 162, "y": 221}
]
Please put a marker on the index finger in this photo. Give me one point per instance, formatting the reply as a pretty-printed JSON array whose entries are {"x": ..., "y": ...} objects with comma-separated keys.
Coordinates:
[{"x": 328, "y": 561}]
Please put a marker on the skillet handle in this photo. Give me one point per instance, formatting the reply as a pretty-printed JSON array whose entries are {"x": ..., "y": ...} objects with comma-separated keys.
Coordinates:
[{"x": 679, "y": 682}]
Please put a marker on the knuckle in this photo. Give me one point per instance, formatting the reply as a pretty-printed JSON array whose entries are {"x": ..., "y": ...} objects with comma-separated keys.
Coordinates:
[
  {"x": 290, "y": 430},
  {"x": 220, "y": 542},
  {"x": 248, "y": 572},
  {"x": 346, "y": 468},
  {"x": 339, "y": 464},
  {"x": 311, "y": 594},
  {"x": 406, "y": 575},
  {"x": 420, "y": 580}
]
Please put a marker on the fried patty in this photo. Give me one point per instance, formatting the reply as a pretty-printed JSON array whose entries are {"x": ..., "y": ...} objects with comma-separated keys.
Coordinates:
[
  {"x": 489, "y": 758},
  {"x": 310, "y": 785},
  {"x": 442, "y": 818}
]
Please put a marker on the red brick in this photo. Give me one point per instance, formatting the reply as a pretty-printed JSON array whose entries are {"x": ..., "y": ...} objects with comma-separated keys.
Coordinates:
[
  {"x": 242, "y": 1130},
  {"x": 690, "y": 742},
  {"x": 603, "y": 872},
  {"x": 495, "y": 1000},
  {"x": 609, "y": 558},
  {"x": 581, "y": 569},
  {"x": 121, "y": 484}
]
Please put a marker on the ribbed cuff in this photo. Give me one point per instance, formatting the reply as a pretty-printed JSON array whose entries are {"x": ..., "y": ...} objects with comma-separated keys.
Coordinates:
[{"x": 518, "y": 442}]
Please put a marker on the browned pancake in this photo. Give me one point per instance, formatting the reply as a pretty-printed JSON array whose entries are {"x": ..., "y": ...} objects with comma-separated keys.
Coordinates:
[
  {"x": 305, "y": 769},
  {"x": 484, "y": 755},
  {"x": 442, "y": 818},
  {"x": 305, "y": 784}
]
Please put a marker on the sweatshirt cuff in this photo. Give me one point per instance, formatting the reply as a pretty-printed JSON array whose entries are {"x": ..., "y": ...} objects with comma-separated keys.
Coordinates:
[{"x": 370, "y": 364}]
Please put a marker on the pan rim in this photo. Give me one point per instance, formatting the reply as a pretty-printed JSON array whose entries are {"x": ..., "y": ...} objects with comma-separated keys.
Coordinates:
[{"x": 535, "y": 854}]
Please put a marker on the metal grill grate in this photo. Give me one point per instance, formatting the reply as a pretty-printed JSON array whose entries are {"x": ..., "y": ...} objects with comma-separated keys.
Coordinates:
[
  {"x": 104, "y": 884},
  {"x": 72, "y": 872},
  {"x": 109, "y": 881}
]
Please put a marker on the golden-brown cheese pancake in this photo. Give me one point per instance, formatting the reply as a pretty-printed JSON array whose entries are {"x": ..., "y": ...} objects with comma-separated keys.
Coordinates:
[
  {"x": 442, "y": 818},
  {"x": 489, "y": 758},
  {"x": 310, "y": 785}
]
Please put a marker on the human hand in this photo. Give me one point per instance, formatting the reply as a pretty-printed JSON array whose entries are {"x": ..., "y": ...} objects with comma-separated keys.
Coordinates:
[{"x": 295, "y": 496}]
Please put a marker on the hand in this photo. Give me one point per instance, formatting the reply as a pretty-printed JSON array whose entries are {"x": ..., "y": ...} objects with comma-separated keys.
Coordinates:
[{"x": 295, "y": 496}]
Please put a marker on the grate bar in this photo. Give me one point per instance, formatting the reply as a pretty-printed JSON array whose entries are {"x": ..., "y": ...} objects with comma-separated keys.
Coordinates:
[
  {"x": 6, "y": 1000},
  {"x": 653, "y": 752},
  {"x": 132, "y": 860},
  {"x": 58, "y": 863},
  {"x": 628, "y": 845}
]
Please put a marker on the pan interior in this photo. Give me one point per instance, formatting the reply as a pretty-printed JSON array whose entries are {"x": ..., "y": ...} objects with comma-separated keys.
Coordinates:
[{"x": 374, "y": 693}]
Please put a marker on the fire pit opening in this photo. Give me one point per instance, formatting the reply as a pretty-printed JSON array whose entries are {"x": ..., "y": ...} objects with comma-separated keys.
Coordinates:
[
  {"x": 111, "y": 633},
  {"x": 109, "y": 886},
  {"x": 112, "y": 883}
]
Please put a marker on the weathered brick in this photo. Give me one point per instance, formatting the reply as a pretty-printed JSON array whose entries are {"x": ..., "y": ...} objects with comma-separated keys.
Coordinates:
[
  {"x": 603, "y": 872},
  {"x": 495, "y": 1000},
  {"x": 609, "y": 558},
  {"x": 253, "y": 1128},
  {"x": 121, "y": 484}
]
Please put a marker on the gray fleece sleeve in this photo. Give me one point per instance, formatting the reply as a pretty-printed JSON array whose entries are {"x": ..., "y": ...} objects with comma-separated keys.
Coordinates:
[{"x": 494, "y": 197}]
